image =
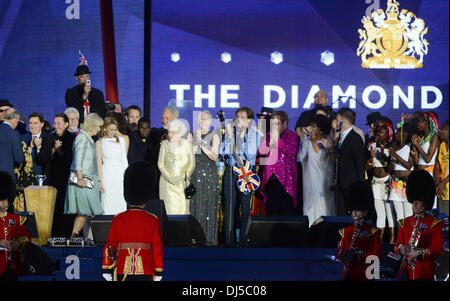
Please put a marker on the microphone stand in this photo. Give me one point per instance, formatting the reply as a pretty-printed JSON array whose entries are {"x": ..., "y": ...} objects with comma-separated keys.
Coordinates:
[
  {"x": 231, "y": 200},
  {"x": 336, "y": 170}
]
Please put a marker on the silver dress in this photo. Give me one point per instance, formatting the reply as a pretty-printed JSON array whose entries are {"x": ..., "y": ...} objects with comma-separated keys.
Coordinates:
[{"x": 203, "y": 205}]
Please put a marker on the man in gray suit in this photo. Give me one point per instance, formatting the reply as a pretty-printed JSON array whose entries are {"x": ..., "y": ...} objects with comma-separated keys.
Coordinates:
[{"x": 11, "y": 153}]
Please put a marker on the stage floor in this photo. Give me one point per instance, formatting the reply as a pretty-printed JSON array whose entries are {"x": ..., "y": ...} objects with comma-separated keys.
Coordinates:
[{"x": 211, "y": 264}]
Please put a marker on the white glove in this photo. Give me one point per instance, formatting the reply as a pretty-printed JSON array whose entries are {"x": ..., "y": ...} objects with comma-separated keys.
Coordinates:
[
  {"x": 157, "y": 278},
  {"x": 108, "y": 277}
]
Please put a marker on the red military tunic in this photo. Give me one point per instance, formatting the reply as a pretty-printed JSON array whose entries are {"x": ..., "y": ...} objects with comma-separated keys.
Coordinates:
[
  {"x": 135, "y": 227},
  {"x": 12, "y": 228},
  {"x": 366, "y": 243},
  {"x": 430, "y": 244}
]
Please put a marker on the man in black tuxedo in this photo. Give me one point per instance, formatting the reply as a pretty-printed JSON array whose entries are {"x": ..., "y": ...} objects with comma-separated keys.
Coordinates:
[
  {"x": 143, "y": 143},
  {"x": 84, "y": 97},
  {"x": 37, "y": 139},
  {"x": 144, "y": 146},
  {"x": 350, "y": 152}
]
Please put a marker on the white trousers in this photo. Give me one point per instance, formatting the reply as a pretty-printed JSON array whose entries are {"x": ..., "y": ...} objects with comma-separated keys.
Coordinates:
[
  {"x": 383, "y": 207},
  {"x": 402, "y": 210}
]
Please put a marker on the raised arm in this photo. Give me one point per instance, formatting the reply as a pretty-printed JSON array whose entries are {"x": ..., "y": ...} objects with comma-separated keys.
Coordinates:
[{"x": 427, "y": 156}]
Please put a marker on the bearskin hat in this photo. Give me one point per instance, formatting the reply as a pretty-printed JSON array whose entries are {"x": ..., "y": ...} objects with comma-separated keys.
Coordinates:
[
  {"x": 139, "y": 183},
  {"x": 420, "y": 186},
  {"x": 360, "y": 196},
  {"x": 7, "y": 189}
]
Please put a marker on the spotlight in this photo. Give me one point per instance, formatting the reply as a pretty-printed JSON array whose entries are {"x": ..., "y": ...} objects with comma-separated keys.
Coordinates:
[
  {"x": 327, "y": 57},
  {"x": 276, "y": 57},
  {"x": 226, "y": 57},
  {"x": 175, "y": 57}
]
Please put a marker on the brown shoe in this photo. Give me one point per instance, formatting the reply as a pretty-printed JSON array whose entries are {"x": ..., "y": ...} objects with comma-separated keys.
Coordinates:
[
  {"x": 392, "y": 234},
  {"x": 382, "y": 235}
]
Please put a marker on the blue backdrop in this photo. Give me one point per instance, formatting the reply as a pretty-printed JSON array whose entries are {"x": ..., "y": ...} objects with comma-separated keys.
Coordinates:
[{"x": 39, "y": 53}]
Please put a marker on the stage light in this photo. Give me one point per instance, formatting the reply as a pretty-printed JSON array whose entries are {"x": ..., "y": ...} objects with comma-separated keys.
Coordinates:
[
  {"x": 175, "y": 57},
  {"x": 327, "y": 57},
  {"x": 226, "y": 57},
  {"x": 276, "y": 57}
]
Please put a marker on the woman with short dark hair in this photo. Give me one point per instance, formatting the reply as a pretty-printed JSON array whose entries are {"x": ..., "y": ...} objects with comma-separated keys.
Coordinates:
[{"x": 318, "y": 170}]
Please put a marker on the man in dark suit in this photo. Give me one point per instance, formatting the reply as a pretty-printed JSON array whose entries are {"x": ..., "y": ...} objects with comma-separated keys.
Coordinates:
[
  {"x": 11, "y": 153},
  {"x": 133, "y": 114},
  {"x": 144, "y": 146},
  {"x": 37, "y": 139},
  {"x": 84, "y": 97},
  {"x": 350, "y": 164}
]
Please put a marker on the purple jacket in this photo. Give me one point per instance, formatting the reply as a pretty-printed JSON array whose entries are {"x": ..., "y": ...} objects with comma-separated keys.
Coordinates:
[{"x": 281, "y": 161}]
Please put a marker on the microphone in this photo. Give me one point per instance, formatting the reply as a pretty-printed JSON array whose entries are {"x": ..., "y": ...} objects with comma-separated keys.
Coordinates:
[{"x": 88, "y": 82}]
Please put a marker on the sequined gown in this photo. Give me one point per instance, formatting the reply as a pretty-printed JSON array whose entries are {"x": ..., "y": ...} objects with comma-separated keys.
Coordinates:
[
  {"x": 175, "y": 162},
  {"x": 203, "y": 205}
]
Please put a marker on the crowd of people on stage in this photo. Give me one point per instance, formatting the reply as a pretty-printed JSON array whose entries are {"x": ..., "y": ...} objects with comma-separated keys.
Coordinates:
[
  {"x": 267, "y": 168},
  {"x": 308, "y": 171}
]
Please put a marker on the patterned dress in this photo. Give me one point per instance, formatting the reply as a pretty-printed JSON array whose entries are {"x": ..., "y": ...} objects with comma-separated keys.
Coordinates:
[
  {"x": 204, "y": 203},
  {"x": 24, "y": 178}
]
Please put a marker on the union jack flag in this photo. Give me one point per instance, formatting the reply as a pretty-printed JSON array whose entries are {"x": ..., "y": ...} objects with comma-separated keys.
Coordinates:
[
  {"x": 83, "y": 60},
  {"x": 248, "y": 180}
]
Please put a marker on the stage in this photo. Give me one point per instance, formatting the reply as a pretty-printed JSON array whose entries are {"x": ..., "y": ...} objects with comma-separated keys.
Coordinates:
[{"x": 210, "y": 264}]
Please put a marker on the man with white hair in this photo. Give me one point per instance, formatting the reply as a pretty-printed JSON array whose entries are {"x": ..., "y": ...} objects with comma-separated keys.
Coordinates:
[
  {"x": 74, "y": 120},
  {"x": 168, "y": 114},
  {"x": 11, "y": 153}
]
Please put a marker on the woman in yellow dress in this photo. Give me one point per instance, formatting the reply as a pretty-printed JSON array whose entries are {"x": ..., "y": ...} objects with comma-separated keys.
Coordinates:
[{"x": 176, "y": 163}]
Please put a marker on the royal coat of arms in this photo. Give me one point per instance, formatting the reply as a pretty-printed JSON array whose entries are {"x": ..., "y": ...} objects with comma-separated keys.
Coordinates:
[{"x": 392, "y": 39}]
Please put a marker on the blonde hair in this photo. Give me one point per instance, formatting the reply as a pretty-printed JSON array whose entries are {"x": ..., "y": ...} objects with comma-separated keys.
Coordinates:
[
  {"x": 204, "y": 112},
  {"x": 91, "y": 121},
  {"x": 108, "y": 121}
]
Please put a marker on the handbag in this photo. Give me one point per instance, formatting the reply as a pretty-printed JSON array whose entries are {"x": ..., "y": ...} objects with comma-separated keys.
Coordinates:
[
  {"x": 189, "y": 191},
  {"x": 73, "y": 179}
]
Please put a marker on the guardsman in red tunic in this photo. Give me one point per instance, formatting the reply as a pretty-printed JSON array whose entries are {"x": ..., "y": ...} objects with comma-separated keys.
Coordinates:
[
  {"x": 360, "y": 240},
  {"x": 134, "y": 249},
  {"x": 420, "y": 238},
  {"x": 13, "y": 234}
]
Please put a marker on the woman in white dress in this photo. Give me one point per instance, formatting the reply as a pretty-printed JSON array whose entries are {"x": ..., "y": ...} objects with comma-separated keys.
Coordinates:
[
  {"x": 318, "y": 170},
  {"x": 112, "y": 149}
]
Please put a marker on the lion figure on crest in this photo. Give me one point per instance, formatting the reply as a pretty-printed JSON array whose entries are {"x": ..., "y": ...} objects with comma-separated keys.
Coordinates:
[{"x": 417, "y": 45}]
